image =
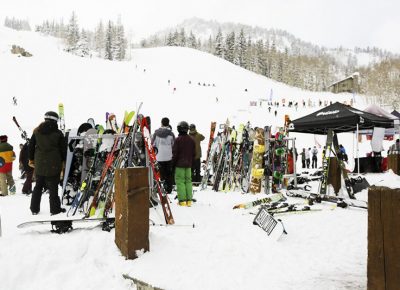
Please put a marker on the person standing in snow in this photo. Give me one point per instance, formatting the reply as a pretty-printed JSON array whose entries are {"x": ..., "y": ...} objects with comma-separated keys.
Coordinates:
[
  {"x": 163, "y": 139},
  {"x": 183, "y": 154},
  {"x": 276, "y": 112},
  {"x": 342, "y": 153},
  {"x": 7, "y": 156},
  {"x": 303, "y": 158},
  {"x": 308, "y": 153},
  {"x": 28, "y": 171},
  {"x": 314, "y": 152},
  {"x": 47, "y": 152},
  {"x": 197, "y": 137}
]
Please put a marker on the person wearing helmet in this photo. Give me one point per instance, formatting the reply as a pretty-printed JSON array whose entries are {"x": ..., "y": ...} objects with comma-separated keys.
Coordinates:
[
  {"x": 47, "y": 152},
  {"x": 7, "y": 157},
  {"x": 197, "y": 137},
  {"x": 183, "y": 154}
]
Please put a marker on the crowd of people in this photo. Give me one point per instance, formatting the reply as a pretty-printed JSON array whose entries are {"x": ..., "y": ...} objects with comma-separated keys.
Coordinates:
[{"x": 42, "y": 159}]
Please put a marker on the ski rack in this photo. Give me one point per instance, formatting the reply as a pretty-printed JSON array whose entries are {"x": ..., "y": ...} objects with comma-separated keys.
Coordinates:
[{"x": 99, "y": 136}]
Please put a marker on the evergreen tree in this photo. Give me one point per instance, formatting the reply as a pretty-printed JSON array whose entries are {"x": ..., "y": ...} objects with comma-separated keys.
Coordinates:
[
  {"x": 241, "y": 49},
  {"x": 83, "y": 45},
  {"x": 182, "y": 38},
  {"x": 72, "y": 33},
  {"x": 99, "y": 39},
  {"x": 192, "y": 41},
  {"x": 109, "y": 42},
  {"x": 230, "y": 47},
  {"x": 219, "y": 46}
]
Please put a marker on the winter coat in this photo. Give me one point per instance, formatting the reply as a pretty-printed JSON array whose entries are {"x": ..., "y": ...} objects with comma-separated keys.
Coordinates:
[
  {"x": 163, "y": 139},
  {"x": 314, "y": 151},
  {"x": 7, "y": 156},
  {"x": 308, "y": 154},
  {"x": 197, "y": 137},
  {"x": 183, "y": 151},
  {"x": 47, "y": 148},
  {"x": 24, "y": 157}
]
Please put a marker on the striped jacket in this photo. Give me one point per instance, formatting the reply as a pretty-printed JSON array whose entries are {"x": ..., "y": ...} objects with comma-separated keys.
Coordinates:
[{"x": 7, "y": 156}]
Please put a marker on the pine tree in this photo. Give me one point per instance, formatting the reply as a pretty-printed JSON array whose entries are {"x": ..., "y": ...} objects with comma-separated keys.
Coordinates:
[
  {"x": 83, "y": 45},
  {"x": 182, "y": 38},
  {"x": 219, "y": 46},
  {"x": 241, "y": 49},
  {"x": 99, "y": 39},
  {"x": 109, "y": 42},
  {"x": 72, "y": 33},
  {"x": 230, "y": 50},
  {"x": 192, "y": 41},
  {"x": 119, "y": 42}
]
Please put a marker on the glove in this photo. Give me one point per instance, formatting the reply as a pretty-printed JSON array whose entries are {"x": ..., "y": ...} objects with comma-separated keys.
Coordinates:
[{"x": 31, "y": 163}]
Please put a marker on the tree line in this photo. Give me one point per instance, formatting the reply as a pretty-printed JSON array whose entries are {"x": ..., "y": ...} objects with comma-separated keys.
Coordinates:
[
  {"x": 313, "y": 71},
  {"x": 17, "y": 24},
  {"x": 107, "y": 41}
]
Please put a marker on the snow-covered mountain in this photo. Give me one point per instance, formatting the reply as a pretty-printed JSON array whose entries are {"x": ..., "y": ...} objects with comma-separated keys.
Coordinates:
[{"x": 282, "y": 39}]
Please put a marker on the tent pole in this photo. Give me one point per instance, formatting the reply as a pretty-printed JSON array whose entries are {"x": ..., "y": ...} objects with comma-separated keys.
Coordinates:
[{"x": 358, "y": 157}]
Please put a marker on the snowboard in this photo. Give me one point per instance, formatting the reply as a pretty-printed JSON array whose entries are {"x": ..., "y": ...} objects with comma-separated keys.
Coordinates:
[
  {"x": 65, "y": 225},
  {"x": 257, "y": 164},
  {"x": 278, "y": 161}
]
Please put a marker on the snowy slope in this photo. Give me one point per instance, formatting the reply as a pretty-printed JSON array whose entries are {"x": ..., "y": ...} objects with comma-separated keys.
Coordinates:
[{"x": 326, "y": 249}]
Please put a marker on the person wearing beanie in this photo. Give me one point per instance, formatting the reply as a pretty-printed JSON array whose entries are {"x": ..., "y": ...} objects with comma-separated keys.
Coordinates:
[
  {"x": 163, "y": 139},
  {"x": 197, "y": 137},
  {"x": 183, "y": 153},
  {"x": 47, "y": 152},
  {"x": 7, "y": 156}
]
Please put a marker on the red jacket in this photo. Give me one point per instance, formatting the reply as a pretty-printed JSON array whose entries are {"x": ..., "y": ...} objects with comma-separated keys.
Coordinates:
[{"x": 7, "y": 156}]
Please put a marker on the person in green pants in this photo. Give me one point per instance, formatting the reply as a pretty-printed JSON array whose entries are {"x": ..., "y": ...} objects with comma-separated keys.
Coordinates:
[{"x": 183, "y": 153}]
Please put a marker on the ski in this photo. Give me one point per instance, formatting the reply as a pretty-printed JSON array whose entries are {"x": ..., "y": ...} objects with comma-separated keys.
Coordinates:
[
  {"x": 24, "y": 135},
  {"x": 156, "y": 174},
  {"x": 270, "y": 199},
  {"x": 61, "y": 116}
]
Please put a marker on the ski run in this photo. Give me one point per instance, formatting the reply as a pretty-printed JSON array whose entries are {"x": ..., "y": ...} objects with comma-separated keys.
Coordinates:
[{"x": 246, "y": 228}]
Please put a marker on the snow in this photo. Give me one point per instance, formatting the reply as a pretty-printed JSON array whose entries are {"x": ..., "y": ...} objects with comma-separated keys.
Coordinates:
[{"x": 224, "y": 250}]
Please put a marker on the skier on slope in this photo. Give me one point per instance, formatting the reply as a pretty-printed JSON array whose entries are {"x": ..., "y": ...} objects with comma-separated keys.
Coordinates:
[
  {"x": 47, "y": 153},
  {"x": 183, "y": 153},
  {"x": 7, "y": 157},
  {"x": 163, "y": 139}
]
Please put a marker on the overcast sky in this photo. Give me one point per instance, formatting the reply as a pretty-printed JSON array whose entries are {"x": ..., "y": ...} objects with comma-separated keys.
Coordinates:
[{"x": 329, "y": 23}]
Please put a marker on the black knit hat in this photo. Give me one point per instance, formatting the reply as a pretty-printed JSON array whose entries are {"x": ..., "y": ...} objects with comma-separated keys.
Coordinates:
[
  {"x": 50, "y": 115},
  {"x": 183, "y": 127}
]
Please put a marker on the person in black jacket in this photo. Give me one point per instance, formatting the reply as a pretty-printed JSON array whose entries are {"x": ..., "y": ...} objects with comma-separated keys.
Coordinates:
[
  {"x": 183, "y": 154},
  {"x": 47, "y": 152},
  {"x": 28, "y": 171}
]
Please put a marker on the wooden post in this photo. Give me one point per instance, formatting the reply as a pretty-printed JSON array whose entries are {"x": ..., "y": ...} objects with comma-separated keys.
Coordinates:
[
  {"x": 383, "y": 238},
  {"x": 334, "y": 174},
  {"x": 394, "y": 163},
  {"x": 132, "y": 210}
]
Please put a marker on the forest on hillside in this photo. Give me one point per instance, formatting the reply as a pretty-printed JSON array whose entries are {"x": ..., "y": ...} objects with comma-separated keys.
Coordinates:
[{"x": 273, "y": 53}]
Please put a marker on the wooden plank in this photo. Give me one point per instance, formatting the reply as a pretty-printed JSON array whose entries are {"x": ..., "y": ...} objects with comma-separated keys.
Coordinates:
[
  {"x": 376, "y": 258},
  {"x": 390, "y": 208}
]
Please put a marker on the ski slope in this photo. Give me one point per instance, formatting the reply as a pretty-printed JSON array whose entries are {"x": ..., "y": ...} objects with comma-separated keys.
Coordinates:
[{"x": 324, "y": 250}]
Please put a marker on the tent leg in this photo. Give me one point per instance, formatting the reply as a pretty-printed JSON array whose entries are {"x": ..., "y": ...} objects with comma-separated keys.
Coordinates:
[{"x": 358, "y": 157}]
